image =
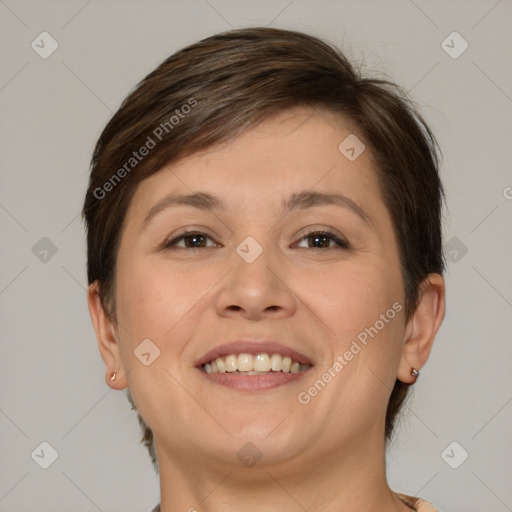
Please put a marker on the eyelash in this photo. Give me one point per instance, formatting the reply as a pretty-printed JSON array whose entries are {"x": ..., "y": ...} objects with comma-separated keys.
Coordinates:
[{"x": 342, "y": 244}]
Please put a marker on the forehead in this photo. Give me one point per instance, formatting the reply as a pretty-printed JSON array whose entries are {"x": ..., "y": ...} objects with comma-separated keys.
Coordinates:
[{"x": 297, "y": 149}]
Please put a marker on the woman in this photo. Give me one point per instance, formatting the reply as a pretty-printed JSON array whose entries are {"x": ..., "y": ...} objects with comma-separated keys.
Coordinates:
[{"x": 265, "y": 271}]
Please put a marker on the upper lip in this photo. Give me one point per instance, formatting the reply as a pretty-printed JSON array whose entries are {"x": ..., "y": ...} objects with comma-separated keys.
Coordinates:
[{"x": 254, "y": 347}]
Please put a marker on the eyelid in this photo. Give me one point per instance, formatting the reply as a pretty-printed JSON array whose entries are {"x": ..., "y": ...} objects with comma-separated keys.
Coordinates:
[
  {"x": 334, "y": 235},
  {"x": 191, "y": 230},
  {"x": 308, "y": 230},
  {"x": 339, "y": 239}
]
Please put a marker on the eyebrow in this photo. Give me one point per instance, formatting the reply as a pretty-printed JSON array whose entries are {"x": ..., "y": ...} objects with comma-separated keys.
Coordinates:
[{"x": 299, "y": 200}]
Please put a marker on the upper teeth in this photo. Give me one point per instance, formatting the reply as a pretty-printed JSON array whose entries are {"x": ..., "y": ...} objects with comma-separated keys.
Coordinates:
[{"x": 254, "y": 363}]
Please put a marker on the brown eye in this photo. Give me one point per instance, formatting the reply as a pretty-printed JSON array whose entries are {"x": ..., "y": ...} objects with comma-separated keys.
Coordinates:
[
  {"x": 323, "y": 239},
  {"x": 191, "y": 240}
]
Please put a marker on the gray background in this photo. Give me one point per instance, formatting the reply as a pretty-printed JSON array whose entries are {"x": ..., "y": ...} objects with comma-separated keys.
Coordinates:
[{"x": 52, "y": 111}]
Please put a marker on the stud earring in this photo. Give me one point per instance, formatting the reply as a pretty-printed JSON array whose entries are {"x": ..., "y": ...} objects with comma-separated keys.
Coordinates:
[
  {"x": 113, "y": 376},
  {"x": 415, "y": 372}
]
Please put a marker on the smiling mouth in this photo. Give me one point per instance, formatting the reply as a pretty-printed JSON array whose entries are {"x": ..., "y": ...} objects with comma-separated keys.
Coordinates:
[{"x": 249, "y": 364}]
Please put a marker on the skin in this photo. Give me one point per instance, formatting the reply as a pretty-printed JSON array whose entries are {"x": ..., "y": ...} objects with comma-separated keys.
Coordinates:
[{"x": 325, "y": 455}]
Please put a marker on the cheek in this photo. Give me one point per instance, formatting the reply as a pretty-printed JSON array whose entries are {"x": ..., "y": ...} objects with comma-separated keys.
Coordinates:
[
  {"x": 355, "y": 295},
  {"x": 362, "y": 302},
  {"x": 153, "y": 299}
]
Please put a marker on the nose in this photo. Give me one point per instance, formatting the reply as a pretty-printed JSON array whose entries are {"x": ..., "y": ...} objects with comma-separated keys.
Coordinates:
[{"x": 256, "y": 290}]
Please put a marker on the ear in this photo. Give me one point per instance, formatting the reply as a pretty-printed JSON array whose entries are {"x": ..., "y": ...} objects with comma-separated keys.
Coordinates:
[
  {"x": 422, "y": 327},
  {"x": 108, "y": 342}
]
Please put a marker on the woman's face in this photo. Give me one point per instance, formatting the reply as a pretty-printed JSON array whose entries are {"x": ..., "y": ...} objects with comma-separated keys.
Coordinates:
[{"x": 259, "y": 277}]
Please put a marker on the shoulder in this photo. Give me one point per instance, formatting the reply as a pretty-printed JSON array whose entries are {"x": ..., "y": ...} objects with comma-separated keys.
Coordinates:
[{"x": 419, "y": 504}]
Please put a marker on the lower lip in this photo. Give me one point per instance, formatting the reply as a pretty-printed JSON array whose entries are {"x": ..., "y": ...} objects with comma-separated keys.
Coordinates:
[{"x": 253, "y": 382}]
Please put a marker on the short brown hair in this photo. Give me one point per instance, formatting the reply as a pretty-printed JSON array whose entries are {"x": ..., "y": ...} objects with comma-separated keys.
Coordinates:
[{"x": 213, "y": 90}]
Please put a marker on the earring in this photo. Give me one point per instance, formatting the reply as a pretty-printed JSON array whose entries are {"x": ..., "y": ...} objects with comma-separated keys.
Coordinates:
[
  {"x": 113, "y": 376},
  {"x": 414, "y": 372}
]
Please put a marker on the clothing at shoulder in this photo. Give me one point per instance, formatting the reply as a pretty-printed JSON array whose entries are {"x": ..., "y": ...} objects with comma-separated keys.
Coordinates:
[{"x": 418, "y": 504}]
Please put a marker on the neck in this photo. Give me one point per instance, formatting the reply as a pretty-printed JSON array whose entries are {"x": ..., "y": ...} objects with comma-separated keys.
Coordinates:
[{"x": 343, "y": 480}]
